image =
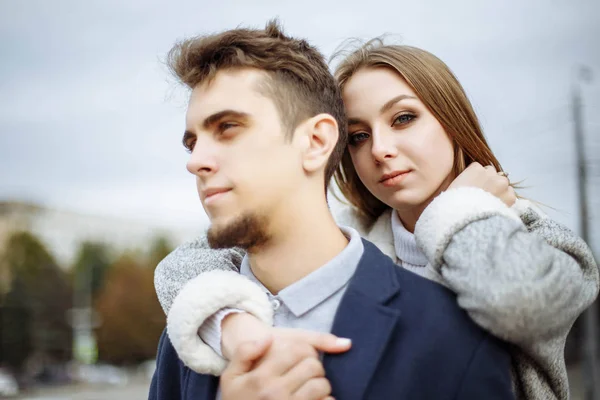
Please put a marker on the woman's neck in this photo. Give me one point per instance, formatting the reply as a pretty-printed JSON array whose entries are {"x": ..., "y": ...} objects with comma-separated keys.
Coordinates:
[
  {"x": 405, "y": 245},
  {"x": 410, "y": 215}
]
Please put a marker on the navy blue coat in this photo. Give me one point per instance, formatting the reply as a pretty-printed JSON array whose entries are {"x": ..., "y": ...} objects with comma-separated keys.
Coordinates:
[{"x": 410, "y": 340}]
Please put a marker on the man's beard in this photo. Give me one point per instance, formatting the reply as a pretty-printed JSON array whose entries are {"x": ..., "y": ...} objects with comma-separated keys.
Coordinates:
[{"x": 246, "y": 231}]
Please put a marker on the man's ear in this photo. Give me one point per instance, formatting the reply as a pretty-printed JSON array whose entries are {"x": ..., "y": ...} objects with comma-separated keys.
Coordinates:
[{"x": 321, "y": 137}]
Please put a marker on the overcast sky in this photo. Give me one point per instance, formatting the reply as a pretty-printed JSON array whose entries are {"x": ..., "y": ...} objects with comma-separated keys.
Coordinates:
[{"x": 90, "y": 120}]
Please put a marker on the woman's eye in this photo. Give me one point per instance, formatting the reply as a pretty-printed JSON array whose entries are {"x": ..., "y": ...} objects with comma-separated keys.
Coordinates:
[
  {"x": 403, "y": 119},
  {"x": 357, "y": 138}
]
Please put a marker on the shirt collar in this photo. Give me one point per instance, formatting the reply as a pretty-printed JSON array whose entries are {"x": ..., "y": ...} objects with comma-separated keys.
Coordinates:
[{"x": 310, "y": 291}]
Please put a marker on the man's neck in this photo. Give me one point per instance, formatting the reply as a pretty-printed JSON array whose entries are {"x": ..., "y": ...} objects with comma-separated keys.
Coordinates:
[{"x": 307, "y": 239}]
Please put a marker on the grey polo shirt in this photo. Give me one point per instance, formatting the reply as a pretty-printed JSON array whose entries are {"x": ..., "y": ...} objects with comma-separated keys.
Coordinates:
[{"x": 311, "y": 302}]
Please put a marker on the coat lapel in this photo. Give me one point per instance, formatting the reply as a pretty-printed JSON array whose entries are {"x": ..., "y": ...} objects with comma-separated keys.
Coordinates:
[{"x": 363, "y": 317}]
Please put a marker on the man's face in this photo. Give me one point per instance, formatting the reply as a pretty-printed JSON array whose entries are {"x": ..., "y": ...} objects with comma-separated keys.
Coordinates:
[{"x": 240, "y": 156}]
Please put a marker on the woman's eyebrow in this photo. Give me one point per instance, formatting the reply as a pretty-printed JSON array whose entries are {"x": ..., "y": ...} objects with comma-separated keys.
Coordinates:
[{"x": 393, "y": 101}]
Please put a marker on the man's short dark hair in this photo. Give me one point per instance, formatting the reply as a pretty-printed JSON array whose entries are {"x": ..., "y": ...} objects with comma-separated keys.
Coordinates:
[{"x": 299, "y": 83}]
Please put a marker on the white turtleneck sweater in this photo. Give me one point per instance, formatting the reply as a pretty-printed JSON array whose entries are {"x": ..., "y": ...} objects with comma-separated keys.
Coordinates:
[{"x": 408, "y": 253}]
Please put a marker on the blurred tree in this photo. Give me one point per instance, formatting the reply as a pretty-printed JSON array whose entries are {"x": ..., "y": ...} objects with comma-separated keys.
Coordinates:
[
  {"x": 88, "y": 273},
  {"x": 92, "y": 258},
  {"x": 159, "y": 249},
  {"x": 15, "y": 326},
  {"x": 132, "y": 319},
  {"x": 34, "y": 310}
]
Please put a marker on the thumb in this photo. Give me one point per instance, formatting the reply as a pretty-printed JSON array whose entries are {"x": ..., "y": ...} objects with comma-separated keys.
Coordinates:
[{"x": 246, "y": 354}]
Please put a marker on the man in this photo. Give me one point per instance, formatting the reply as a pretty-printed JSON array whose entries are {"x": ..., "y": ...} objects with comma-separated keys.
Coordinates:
[{"x": 265, "y": 128}]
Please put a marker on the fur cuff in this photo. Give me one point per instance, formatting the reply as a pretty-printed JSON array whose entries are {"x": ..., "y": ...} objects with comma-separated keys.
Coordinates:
[
  {"x": 526, "y": 209},
  {"x": 449, "y": 213},
  {"x": 200, "y": 298}
]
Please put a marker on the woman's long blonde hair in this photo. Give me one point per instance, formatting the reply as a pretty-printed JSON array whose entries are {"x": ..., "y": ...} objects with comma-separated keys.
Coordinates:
[{"x": 438, "y": 89}]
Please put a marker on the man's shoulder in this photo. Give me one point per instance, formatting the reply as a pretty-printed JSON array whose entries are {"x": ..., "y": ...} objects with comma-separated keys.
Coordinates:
[
  {"x": 427, "y": 303},
  {"x": 430, "y": 334},
  {"x": 166, "y": 382},
  {"x": 167, "y": 359}
]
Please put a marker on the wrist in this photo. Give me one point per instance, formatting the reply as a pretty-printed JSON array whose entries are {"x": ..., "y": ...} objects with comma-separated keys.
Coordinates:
[{"x": 238, "y": 328}]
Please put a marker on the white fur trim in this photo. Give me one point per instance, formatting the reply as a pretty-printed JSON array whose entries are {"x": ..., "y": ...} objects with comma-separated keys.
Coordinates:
[
  {"x": 200, "y": 298},
  {"x": 449, "y": 213},
  {"x": 349, "y": 216},
  {"x": 521, "y": 206}
]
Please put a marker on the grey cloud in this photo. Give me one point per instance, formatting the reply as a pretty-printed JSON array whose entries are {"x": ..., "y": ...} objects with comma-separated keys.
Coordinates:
[{"x": 89, "y": 115}]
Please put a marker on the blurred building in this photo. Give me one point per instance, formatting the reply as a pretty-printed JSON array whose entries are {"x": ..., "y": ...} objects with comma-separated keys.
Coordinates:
[{"x": 63, "y": 231}]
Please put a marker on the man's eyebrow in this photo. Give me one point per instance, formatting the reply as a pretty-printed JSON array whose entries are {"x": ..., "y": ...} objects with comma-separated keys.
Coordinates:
[
  {"x": 213, "y": 119},
  {"x": 393, "y": 101},
  {"x": 216, "y": 117}
]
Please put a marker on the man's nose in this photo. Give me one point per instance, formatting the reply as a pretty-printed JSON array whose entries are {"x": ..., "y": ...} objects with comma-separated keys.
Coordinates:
[{"x": 203, "y": 161}]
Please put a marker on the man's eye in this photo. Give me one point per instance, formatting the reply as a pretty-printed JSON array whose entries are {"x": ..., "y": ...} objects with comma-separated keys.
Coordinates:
[
  {"x": 189, "y": 145},
  {"x": 223, "y": 126}
]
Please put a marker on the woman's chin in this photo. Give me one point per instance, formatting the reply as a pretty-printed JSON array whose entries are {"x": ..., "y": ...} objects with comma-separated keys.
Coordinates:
[{"x": 406, "y": 200}]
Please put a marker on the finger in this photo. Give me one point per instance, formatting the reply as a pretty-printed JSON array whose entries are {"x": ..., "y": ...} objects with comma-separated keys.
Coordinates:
[
  {"x": 490, "y": 168},
  {"x": 314, "y": 389},
  {"x": 283, "y": 355},
  {"x": 245, "y": 356},
  {"x": 501, "y": 181},
  {"x": 511, "y": 196},
  {"x": 326, "y": 342},
  {"x": 507, "y": 196},
  {"x": 504, "y": 183},
  {"x": 300, "y": 374}
]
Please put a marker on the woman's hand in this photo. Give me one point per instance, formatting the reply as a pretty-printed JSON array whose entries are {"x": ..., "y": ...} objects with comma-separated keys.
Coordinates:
[
  {"x": 239, "y": 328},
  {"x": 295, "y": 373},
  {"x": 488, "y": 179},
  {"x": 277, "y": 363}
]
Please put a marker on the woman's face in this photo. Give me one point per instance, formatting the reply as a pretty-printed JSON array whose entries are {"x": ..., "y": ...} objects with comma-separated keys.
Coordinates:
[{"x": 400, "y": 151}]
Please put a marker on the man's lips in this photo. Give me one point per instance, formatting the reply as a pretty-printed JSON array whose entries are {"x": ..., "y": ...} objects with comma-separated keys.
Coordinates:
[{"x": 213, "y": 194}]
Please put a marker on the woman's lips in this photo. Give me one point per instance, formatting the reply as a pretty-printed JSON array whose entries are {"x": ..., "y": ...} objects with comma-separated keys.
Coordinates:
[{"x": 394, "y": 178}]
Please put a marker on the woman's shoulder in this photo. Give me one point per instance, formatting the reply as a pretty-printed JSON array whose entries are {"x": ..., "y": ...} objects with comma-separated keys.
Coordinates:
[{"x": 348, "y": 215}]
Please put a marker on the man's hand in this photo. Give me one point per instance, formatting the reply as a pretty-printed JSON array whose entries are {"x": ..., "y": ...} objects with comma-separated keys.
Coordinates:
[
  {"x": 488, "y": 179},
  {"x": 281, "y": 368}
]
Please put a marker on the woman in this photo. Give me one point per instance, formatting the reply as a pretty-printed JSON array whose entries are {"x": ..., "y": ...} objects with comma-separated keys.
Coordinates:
[{"x": 413, "y": 173}]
